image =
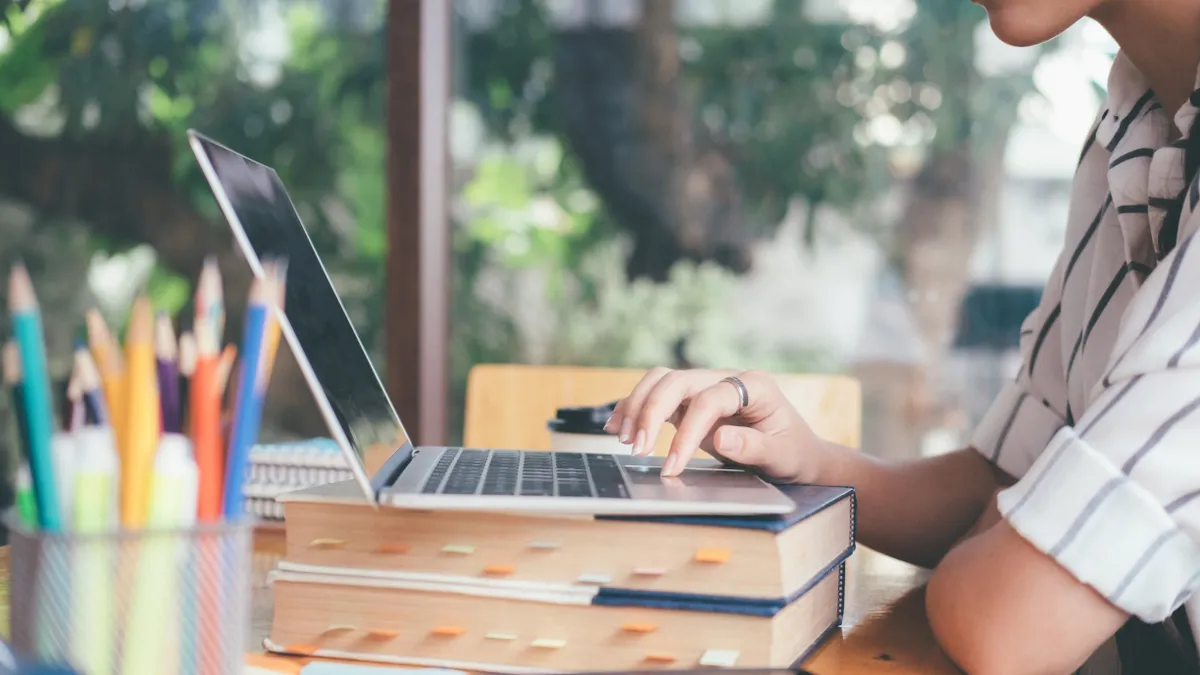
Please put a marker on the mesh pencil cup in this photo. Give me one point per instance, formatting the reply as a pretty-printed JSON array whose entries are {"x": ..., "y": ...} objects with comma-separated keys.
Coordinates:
[{"x": 132, "y": 602}]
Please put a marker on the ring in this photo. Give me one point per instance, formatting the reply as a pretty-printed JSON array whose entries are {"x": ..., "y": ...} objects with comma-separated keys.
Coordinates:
[{"x": 743, "y": 393}]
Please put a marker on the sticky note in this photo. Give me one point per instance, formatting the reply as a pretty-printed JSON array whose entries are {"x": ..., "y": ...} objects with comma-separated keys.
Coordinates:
[
  {"x": 448, "y": 631},
  {"x": 327, "y": 543},
  {"x": 458, "y": 549},
  {"x": 649, "y": 571},
  {"x": 712, "y": 555},
  {"x": 301, "y": 649},
  {"x": 382, "y": 634},
  {"x": 660, "y": 658},
  {"x": 391, "y": 548},
  {"x": 547, "y": 643},
  {"x": 721, "y": 658},
  {"x": 499, "y": 570},
  {"x": 502, "y": 637},
  {"x": 639, "y": 628},
  {"x": 544, "y": 545},
  {"x": 593, "y": 578},
  {"x": 339, "y": 628}
]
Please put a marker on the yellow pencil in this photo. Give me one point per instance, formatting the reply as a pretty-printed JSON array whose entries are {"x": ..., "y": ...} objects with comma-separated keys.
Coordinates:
[{"x": 142, "y": 414}]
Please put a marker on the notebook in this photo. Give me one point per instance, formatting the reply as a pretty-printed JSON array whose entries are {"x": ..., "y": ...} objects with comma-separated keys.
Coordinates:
[{"x": 276, "y": 468}]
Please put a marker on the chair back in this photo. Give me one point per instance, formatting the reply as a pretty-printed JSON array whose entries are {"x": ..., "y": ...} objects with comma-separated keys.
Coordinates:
[{"x": 508, "y": 405}]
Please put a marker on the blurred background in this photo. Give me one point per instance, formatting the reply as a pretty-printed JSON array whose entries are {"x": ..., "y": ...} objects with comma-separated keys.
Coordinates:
[{"x": 852, "y": 186}]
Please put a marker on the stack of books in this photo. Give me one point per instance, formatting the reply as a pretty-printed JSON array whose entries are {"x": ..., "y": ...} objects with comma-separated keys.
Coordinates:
[{"x": 527, "y": 593}]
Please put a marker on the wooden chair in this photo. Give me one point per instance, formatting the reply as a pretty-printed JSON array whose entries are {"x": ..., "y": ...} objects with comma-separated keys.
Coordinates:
[{"x": 508, "y": 405}]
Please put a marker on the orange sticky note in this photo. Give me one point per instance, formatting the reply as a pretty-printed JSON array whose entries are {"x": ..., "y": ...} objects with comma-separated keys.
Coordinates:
[
  {"x": 660, "y": 658},
  {"x": 302, "y": 649},
  {"x": 712, "y": 555},
  {"x": 382, "y": 634},
  {"x": 639, "y": 628},
  {"x": 391, "y": 548},
  {"x": 448, "y": 631},
  {"x": 499, "y": 570}
]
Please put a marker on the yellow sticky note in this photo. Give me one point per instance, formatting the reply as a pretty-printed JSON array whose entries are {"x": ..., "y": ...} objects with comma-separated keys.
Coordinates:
[
  {"x": 501, "y": 637},
  {"x": 327, "y": 543},
  {"x": 547, "y": 643},
  {"x": 458, "y": 549}
]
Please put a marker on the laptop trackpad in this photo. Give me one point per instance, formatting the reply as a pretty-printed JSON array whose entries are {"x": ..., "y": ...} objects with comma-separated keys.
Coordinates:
[{"x": 707, "y": 484}]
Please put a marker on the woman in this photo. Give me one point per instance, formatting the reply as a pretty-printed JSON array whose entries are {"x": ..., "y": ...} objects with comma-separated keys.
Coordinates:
[{"x": 1073, "y": 516}]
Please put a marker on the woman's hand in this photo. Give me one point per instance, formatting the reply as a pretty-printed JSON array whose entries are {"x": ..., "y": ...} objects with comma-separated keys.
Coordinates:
[{"x": 767, "y": 434}]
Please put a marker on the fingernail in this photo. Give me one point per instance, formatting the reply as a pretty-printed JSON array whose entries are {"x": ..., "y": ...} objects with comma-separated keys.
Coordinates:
[
  {"x": 608, "y": 424},
  {"x": 669, "y": 465},
  {"x": 626, "y": 428},
  {"x": 638, "y": 441}
]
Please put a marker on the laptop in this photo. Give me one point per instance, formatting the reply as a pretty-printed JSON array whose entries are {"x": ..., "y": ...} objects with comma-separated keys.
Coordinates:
[{"x": 359, "y": 414}]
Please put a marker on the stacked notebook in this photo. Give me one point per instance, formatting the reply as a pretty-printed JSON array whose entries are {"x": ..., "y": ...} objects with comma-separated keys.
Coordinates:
[
  {"x": 530, "y": 593},
  {"x": 276, "y": 468}
]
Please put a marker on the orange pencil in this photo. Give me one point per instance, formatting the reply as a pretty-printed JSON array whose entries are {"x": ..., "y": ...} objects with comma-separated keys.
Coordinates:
[
  {"x": 143, "y": 423},
  {"x": 106, "y": 352},
  {"x": 205, "y": 393}
]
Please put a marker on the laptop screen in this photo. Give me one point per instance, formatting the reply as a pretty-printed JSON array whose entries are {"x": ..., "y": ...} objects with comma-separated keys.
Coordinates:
[{"x": 323, "y": 331}]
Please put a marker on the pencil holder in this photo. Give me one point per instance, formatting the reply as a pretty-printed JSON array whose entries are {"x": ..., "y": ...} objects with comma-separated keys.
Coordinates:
[{"x": 145, "y": 602}]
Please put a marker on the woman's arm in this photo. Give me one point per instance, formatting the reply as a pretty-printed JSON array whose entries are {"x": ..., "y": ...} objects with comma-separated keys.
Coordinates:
[{"x": 915, "y": 510}]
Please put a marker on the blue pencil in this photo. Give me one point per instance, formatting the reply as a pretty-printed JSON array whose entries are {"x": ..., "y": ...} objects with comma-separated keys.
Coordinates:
[
  {"x": 39, "y": 406},
  {"x": 248, "y": 403}
]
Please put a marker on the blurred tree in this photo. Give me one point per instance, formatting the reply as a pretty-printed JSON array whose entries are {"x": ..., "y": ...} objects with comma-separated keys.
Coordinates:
[{"x": 95, "y": 98}]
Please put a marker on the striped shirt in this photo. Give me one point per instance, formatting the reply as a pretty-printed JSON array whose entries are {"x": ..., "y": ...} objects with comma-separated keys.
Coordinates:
[{"x": 1101, "y": 426}]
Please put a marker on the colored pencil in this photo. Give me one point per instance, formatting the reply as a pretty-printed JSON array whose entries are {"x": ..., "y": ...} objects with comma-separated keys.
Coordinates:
[
  {"x": 205, "y": 399},
  {"x": 76, "y": 412},
  {"x": 106, "y": 353},
  {"x": 187, "y": 368},
  {"x": 27, "y": 329},
  {"x": 95, "y": 511},
  {"x": 90, "y": 383},
  {"x": 142, "y": 412},
  {"x": 166, "y": 351},
  {"x": 241, "y": 436},
  {"x": 12, "y": 381},
  {"x": 26, "y": 502}
]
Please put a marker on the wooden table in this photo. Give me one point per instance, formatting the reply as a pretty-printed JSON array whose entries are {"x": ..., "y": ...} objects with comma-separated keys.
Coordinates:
[{"x": 884, "y": 631}]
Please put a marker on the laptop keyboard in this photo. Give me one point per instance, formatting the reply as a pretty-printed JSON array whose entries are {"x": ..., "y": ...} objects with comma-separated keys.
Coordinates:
[{"x": 526, "y": 474}]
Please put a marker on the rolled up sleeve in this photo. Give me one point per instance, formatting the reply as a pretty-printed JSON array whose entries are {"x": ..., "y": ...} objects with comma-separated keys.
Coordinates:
[{"x": 1115, "y": 499}]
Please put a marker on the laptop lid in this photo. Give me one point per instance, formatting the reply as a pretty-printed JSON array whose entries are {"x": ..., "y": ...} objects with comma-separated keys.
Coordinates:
[{"x": 315, "y": 325}]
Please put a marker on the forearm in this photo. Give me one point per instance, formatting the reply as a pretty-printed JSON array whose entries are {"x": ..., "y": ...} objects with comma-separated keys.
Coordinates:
[{"x": 915, "y": 510}]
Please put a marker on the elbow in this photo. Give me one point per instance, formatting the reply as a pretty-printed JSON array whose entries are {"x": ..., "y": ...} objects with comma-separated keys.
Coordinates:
[{"x": 964, "y": 635}]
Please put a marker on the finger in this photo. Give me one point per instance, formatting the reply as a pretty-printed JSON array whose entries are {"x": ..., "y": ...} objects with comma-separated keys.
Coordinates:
[
  {"x": 705, "y": 409},
  {"x": 672, "y": 391},
  {"x": 629, "y": 408},
  {"x": 744, "y": 446}
]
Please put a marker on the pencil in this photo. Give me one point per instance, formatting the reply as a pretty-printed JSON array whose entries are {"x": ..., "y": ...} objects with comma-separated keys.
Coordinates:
[
  {"x": 12, "y": 381},
  {"x": 187, "y": 368},
  {"x": 107, "y": 355},
  {"x": 166, "y": 351},
  {"x": 205, "y": 398},
  {"x": 76, "y": 414},
  {"x": 142, "y": 422},
  {"x": 27, "y": 329},
  {"x": 95, "y": 405},
  {"x": 262, "y": 295}
]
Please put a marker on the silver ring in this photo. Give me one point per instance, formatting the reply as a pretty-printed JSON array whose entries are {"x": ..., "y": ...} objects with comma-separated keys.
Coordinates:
[{"x": 743, "y": 393}]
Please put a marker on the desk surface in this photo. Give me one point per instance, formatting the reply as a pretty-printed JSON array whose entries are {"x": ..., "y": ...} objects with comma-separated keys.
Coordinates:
[{"x": 885, "y": 630}]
